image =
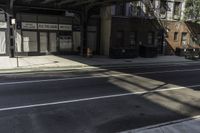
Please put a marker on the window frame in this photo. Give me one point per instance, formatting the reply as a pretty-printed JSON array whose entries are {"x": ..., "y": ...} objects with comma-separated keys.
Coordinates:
[{"x": 176, "y": 36}]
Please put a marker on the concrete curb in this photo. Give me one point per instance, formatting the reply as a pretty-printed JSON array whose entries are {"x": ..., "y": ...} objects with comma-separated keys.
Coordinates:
[
  {"x": 162, "y": 125},
  {"x": 82, "y": 67}
]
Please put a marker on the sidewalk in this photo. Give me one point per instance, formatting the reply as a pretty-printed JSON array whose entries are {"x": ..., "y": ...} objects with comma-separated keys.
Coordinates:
[
  {"x": 37, "y": 63},
  {"x": 190, "y": 125}
]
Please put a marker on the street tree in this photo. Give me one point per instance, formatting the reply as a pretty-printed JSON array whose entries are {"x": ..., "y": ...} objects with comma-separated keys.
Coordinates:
[{"x": 192, "y": 10}]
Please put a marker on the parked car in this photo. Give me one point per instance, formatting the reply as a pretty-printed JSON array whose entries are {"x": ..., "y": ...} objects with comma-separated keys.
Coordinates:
[{"x": 192, "y": 53}]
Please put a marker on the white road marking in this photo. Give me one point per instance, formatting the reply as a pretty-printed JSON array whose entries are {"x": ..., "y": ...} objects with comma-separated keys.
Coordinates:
[
  {"x": 61, "y": 79},
  {"x": 94, "y": 98},
  {"x": 94, "y": 76}
]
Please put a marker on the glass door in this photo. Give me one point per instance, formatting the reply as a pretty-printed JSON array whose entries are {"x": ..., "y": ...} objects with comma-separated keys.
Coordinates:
[
  {"x": 30, "y": 41},
  {"x": 2, "y": 42},
  {"x": 66, "y": 43},
  {"x": 53, "y": 42},
  {"x": 43, "y": 42}
]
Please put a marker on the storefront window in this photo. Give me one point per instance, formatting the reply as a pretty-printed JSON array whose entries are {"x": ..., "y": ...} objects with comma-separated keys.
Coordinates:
[
  {"x": 30, "y": 41},
  {"x": 132, "y": 38},
  {"x": 65, "y": 43},
  {"x": 2, "y": 42},
  {"x": 2, "y": 17}
]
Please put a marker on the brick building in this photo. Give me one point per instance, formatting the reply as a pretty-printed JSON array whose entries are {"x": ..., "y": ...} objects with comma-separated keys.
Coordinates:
[{"x": 154, "y": 28}]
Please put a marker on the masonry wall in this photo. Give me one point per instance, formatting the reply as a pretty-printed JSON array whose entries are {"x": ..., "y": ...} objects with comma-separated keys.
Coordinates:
[
  {"x": 138, "y": 25},
  {"x": 191, "y": 30}
]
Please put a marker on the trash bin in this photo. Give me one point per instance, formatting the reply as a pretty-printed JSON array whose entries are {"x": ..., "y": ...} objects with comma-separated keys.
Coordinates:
[
  {"x": 148, "y": 51},
  {"x": 179, "y": 52}
]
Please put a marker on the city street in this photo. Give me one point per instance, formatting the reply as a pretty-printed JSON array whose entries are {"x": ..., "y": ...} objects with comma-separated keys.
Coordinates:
[{"x": 103, "y": 100}]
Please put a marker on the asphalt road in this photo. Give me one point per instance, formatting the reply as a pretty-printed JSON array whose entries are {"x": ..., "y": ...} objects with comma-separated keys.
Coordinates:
[{"x": 100, "y": 100}]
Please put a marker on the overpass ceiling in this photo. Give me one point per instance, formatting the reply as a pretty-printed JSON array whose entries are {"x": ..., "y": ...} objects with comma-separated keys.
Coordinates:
[{"x": 59, "y": 4}]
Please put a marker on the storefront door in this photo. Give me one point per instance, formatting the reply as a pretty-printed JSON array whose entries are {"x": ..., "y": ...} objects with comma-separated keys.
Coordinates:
[
  {"x": 2, "y": 42},
  {"x": 43, "y": 42},
  {"x": 30, "y": 41},
  {"x": 65, "y": 43},
  {"x": 53, "y": 42}
]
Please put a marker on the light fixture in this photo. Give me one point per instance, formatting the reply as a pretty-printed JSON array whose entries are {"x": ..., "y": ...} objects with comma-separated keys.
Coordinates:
[{"x": 13, "y": 21}]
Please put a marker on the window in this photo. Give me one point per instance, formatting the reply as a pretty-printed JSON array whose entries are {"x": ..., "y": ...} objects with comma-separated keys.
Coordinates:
[
  {"x": 132, "y": 39},
  {"x": 150, "y": 38},
  {"x": 133, "y": 10},
  {"x": 2, "y": 17},
  {"x": 119, "y": 10},
  {"x": 120, "y": 39},
  {"x": 198, "y": 38},
  {"x": 192, "y": 41},
  {"x": 163, "y": 9},
  {"x": 2, "y": 42},
  {"x": 177, "y": 10},
  {"x": 175, "y": 36},
  {"x": 30, "y": 41},
  {"x": 184, "y": 39}
]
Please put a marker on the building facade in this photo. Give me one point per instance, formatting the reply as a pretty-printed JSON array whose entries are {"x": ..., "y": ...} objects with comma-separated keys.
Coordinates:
[
  {"x": 44, "y": 33},
  {"x": 125, "y": 30},
  {"x": 148, "y": 29}
]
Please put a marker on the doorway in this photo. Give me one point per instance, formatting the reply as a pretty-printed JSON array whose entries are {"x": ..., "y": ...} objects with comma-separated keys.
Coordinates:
[
  {"x": 2, "y": 42},
  {"x": 43, "y": 42},
  {"x": 92, "y": 41},
  {"x": 48, "y": 42},
  {"x": 53, "y": 42}
]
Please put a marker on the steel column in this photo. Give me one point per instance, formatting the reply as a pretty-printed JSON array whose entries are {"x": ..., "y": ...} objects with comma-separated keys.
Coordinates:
[
  {"x": 84, "y": 23},
  {"x": 10, "y": 29}
]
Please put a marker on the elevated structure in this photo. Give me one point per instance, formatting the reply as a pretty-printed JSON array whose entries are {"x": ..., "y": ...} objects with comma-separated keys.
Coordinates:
[{"x": 82, "y": 8}]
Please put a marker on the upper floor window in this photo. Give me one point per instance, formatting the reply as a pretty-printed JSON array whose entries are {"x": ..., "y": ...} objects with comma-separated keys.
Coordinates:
[
  {"x": 133, "y": 9},
  {"x": 151, "y": 38},
  {"x": 119, "y": 10},
  {"x": 175, "y": 36},
  {"x": 163, "y": 8},
  {"x": 177, "y": 10}
]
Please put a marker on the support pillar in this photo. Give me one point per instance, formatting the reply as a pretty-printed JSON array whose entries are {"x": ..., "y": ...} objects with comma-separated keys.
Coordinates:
[
  {"x": 84, "y": 23},
  {"x": 10, "y": 29}
]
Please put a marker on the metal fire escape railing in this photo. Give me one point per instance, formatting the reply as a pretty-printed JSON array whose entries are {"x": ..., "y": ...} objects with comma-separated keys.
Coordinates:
[{"x": 153, "y": 12}]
